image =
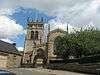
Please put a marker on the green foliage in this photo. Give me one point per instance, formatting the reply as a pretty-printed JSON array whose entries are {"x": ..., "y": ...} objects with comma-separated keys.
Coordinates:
[{"x": 81, "y": 43}]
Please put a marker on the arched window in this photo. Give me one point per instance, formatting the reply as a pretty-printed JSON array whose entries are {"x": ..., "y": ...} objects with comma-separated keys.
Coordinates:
[
  {"x": 36, "y": 35},
  {"x": 32, "y": 34}
]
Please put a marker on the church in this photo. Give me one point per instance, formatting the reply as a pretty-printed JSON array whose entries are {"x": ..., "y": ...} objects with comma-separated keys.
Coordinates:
[{"x": 34, "y": 47}]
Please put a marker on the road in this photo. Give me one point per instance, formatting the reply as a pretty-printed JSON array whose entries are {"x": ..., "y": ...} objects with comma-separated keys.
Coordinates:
[
  {"x": 25, "y": 71},
  {"x": 40, "y": 71}
]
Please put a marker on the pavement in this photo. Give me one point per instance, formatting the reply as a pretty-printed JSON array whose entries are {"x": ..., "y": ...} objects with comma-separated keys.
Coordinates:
[
  {"x": 57, "y": 72},
  {"x": 26, "y": 71},
  {"x": 41, "y": 71}
]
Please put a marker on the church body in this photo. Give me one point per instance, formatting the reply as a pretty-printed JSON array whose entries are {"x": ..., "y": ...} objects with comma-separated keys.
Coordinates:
[{"x": 35, "y": 47}]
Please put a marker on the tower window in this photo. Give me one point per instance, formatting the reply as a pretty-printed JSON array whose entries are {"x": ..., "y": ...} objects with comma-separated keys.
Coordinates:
[
  {"x": 36, "y": 35},
  {"x": 32, "y": 34}
]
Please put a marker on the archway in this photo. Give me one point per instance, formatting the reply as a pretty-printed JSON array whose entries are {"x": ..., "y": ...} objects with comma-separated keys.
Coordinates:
[{"x": 40, "y": 58}]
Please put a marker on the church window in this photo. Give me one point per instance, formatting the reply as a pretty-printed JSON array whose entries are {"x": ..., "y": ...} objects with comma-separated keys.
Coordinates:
[
  {"x": 32, "y": 34},
  {"x": 36, "y": 35}
]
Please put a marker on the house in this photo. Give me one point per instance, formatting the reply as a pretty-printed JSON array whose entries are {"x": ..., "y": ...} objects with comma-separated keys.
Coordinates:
[{"x": 9, "y": 55}]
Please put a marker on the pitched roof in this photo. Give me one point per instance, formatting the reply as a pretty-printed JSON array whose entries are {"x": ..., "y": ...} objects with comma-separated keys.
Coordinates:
[
  {"x": 8, "y": 48},
  {"x": 58, "y": 30}
]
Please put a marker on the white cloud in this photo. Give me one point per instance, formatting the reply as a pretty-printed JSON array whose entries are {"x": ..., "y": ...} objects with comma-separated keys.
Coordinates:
[
  {"x": 20, "y": 48},
  {"x": 9, "y": 28},
  {"x": 6, "y": 11},
  {"x": 75, "y": 11},
  {"x": 79, "y": 12},
  {"x": 55, "y": 24}
]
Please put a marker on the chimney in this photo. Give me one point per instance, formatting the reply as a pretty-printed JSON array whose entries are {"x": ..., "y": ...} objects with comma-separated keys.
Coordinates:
[{"x": 14, "y": 44}]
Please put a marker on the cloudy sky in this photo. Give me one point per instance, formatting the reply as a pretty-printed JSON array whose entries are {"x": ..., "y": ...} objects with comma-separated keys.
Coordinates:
[{"x": 14, "y": 14}]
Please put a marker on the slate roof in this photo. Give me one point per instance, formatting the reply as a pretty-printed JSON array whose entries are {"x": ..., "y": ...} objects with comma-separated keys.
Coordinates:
[{"x": 8, "y": 48}]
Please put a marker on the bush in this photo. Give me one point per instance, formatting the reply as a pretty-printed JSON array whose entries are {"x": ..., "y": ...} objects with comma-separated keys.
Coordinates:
[{"x": 90, "y": 59}]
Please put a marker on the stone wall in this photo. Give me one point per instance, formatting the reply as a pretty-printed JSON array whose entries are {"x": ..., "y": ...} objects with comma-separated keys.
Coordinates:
[
  {"x": 13, "y": 61},
  {"x": 3, "y": 61},
  {"x": 28, "y": 46}
]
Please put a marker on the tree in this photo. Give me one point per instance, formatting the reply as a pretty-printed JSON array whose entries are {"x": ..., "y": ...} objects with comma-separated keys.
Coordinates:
[
  {"x": 61, "y": 46},
  {"x": 81, "y": 43}
]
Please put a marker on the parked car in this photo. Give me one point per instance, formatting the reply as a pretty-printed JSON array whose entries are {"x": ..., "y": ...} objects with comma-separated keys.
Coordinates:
[{"x": 4, "y": 72}]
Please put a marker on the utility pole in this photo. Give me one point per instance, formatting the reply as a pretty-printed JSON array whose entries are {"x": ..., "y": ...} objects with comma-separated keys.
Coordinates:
[{"x": 67, "y": 28}]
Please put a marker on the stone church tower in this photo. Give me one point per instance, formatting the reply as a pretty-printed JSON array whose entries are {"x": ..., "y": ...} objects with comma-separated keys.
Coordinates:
[
  {"x": 34, "y": 46},
  {"x": 33, "y": 39}
]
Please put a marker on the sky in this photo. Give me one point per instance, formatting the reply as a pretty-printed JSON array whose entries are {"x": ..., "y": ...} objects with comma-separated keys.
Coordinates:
[{"x": 57, "y": 13}]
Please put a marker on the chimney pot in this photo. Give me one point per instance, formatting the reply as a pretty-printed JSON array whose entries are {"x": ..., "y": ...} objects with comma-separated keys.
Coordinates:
[{"x": 14, "y": 44}]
